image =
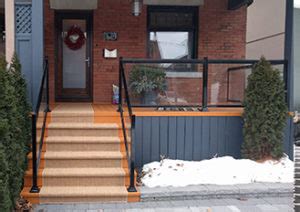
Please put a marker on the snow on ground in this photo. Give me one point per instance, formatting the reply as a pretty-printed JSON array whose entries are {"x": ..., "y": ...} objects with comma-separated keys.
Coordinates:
[{"x": 219, "y": 171}]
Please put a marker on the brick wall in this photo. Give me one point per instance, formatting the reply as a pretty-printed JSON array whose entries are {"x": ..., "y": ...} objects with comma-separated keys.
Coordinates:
[{"x": 221, "y": 35}]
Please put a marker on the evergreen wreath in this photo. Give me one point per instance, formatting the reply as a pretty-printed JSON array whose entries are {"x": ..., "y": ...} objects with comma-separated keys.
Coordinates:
[{"x": 75, "y": 38}]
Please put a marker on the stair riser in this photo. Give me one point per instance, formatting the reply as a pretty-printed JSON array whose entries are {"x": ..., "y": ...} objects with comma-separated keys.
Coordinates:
[
  {"x": 103, "y": 181},
  {"x": 75, "y": 119},
  {"x": 82, "y": 147},
  {"x": 84, "y": 181},
  {"x": 83, "y": 199},
  {"x": 92, "y": 163},
  {"x": 83, "y": 132}
]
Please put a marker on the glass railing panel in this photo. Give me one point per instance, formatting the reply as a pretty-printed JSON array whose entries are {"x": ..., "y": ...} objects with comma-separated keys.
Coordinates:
[
  {"x": 164, "y": 84},
  {"x": 227, "y": 83}
]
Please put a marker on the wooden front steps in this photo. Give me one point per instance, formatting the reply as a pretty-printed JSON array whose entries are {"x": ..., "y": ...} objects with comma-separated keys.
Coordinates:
[{"x": 83, "y": 158}]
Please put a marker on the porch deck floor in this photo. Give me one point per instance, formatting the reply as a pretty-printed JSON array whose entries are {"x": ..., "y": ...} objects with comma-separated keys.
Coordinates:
[{"x": 111, "y": 110}]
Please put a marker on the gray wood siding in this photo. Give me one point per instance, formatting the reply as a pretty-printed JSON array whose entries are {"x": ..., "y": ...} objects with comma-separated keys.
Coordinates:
[
  {"x": 187, "y": 138},
  {"x": 190, "y": 138},
  {"x": 30, "y": 43}
]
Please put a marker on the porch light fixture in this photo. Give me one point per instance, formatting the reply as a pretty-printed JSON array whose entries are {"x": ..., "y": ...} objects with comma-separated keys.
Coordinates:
[{"x": 136, "y": 7}]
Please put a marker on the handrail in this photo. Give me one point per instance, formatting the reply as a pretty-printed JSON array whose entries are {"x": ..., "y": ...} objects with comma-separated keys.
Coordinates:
[
  {"x": 130, "y": 160},
  {"x": 34, "y": 117}
]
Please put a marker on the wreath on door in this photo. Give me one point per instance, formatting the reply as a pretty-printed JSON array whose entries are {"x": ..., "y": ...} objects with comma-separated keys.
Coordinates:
[{"x": 75, "y": 38}]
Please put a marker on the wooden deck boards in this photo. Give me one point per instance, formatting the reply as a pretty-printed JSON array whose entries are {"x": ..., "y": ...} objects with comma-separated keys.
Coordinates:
[{"x": 103, "y": 110}]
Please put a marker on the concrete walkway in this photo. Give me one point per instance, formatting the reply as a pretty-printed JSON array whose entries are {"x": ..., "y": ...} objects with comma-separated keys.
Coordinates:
[
  {"x": 254, "y": 190},
  {"x": 214, "y": 205},
  {"x": 256, "y": 197}
]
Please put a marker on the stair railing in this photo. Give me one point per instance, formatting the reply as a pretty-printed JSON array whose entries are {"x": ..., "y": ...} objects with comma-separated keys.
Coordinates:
[
  {"x": 36, "y": 153},
  {"x": 129, "y": 155}
]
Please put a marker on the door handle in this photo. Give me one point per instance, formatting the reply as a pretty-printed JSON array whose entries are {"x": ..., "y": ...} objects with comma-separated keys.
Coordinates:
[{"x": 88, "y": 61}]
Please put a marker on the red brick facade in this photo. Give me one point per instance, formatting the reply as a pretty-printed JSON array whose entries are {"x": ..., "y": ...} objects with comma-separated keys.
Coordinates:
[{"x": 222, "y": 35}]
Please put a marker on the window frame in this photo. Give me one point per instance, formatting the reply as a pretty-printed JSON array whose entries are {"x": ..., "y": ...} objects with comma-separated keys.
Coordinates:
[{"x": 179, "y": 9}]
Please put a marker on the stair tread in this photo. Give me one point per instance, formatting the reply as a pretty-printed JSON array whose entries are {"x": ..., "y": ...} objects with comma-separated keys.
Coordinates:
[
  {"x": 83, "y": 191},
  {"x": 85, "y": 139},
  {"x": 72, "y": 125},
  {"x": 84, "y": 172},
  {"x": 81, "y": 155},
  {"x": 79, "y": 172}
]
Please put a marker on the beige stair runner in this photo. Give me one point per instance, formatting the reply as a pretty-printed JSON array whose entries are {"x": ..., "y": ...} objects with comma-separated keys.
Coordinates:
[{"x": 83, "y": 161}]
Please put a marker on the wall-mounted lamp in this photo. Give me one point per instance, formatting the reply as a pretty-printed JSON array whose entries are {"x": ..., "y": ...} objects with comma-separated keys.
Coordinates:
[{"x": 136, "y": 7}]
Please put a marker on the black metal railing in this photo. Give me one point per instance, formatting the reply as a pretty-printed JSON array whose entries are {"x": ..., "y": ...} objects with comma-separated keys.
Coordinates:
[
  {"x": 207, "y": 65},
  {"x": 129, "y": 153},
  {"x": 43, "y": 99}
]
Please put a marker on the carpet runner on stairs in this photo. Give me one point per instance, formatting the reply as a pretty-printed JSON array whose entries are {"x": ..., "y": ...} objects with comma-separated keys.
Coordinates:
[{"x": 83, "y": 158}]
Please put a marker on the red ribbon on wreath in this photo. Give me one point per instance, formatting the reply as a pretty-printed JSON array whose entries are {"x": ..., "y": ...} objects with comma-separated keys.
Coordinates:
[{"x": 75, "y": 38}]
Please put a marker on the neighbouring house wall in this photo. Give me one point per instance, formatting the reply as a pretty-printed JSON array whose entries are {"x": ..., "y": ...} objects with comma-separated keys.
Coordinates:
[
  {"x": 190, "y": 138},
  {"x": 222, "y": 34},
  {"x": 28, "y": 26},
  {"x": 297, "y": 60},
  {"x": 265, "y": 29},
  {"x": 22, "y": 42}
]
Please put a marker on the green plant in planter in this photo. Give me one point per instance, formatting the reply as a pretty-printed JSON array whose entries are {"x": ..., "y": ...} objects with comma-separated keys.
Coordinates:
[
  {"x": 146, "y": 82},
  {"x": 265, "y": 113}
]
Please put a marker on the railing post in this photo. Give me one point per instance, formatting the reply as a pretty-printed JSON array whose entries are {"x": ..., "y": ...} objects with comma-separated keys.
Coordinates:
[
  {"x": 131, "y": 187},
  {"x": 285, "y": 78},
  {"x": 120, "y": 84},
  {"x": 34, "y": 188},
  {"x": 47, "y": 84},
  {"x": 205, "y": 83}
]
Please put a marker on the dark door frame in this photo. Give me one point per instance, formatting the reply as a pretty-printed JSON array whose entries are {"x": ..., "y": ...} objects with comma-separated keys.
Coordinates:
[{"x": 59, "y": 94}]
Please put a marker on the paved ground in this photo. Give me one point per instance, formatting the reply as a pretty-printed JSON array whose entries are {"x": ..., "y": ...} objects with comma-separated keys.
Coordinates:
[
  {"x": 278, "y": 204},
  {"x": 253, "y": 190}
]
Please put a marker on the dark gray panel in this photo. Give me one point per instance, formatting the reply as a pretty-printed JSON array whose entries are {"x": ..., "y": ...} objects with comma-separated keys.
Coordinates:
[
  {"x": 180, "y": 137},
  {"x": 155, "y": 151},
  {"x": 172, "y": 138},
  {"x": 213, "y": 147},
  {"x": 221, "y": 132},
  {"x": 37, "y": 44},
  {"x": 197, "y": 138},
  {"x": 23, "y": 49},
  {"x": 138, "y": 142},
  {"x": 191, "y": 138},
  {"x": 147, "y": 140},
  {"x": 288, "y": 145},
  {"x": 205, "y": 137},
  {"x": 163, "y": 135},
  {"x": 234, "y": 126},
  {"x": 188, "y": 144}
]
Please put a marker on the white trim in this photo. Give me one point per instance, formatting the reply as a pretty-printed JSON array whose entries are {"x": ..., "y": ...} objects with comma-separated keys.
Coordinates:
[
  {"x": 184, "y": 74},
  {"x": 174, "y": 2},
  {"x": 9, "y": 29},
  {"x": 74, "y": 4}
]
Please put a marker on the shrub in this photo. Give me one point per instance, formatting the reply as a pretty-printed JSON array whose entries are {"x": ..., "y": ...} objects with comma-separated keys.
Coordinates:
[
  {"x": 143, "y": 79},
  {"x": 14, "y": 130},
  {"x": 265, "y": 113},
  {"x": 5, "y": 201}
]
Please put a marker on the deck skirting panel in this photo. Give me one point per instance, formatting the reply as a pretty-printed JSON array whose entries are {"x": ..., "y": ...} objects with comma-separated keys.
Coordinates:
[{"x": 190, "y": 138}]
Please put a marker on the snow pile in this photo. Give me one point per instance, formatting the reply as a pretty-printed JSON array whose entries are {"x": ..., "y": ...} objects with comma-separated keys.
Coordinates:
[{"x": 219, "y": 171}]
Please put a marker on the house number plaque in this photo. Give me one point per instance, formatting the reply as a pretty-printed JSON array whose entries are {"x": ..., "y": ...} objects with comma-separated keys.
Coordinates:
[{"x": 110, "y": 36}]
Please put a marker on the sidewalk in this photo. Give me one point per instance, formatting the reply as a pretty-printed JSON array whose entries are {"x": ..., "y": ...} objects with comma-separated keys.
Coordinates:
[
  {"x": 276, "y": 204},
  {"x": 261, "y": 197},
  {"x": 202, "y": 192}
]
